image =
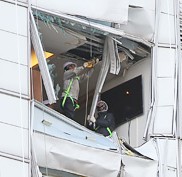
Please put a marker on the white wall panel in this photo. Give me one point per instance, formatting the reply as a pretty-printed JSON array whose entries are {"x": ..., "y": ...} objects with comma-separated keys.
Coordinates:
[
  {"x": 14, "y": 140},
  {"x": 166, "y": 29},
  {"x": 13, "y": 168},
  {"x": 167, "y": 6},
  {"x": 11, "y": 79},
  {"x": 165, "y": 91},
  {"x": 8, "y": 21},
  {"x": 165, "y": 62},
  {"x": 19, "y": 108},
  {"x": 143, "y": 3},
  {"x": 13, "y": 47},
  {"x": 140, "y": 23},
  {"x": 168, "y": 151},
  {"x": 107, "y": 10},
  {"x": 163, "y": 120}
]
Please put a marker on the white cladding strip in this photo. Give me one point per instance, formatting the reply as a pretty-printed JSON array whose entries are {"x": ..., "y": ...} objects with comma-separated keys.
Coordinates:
[
  {"x": 42, "y": 61},
  {"x": 114, "y": 56},
  {"x": 107, "y": 10},
  {"x": 101, "y": 77},
  {"x": 163, "y": 114}
]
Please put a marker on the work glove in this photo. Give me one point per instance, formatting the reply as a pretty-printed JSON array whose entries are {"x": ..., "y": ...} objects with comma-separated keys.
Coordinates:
[
  {"x": 91, "y": 63},
  {"x": 91, "y": 121}
]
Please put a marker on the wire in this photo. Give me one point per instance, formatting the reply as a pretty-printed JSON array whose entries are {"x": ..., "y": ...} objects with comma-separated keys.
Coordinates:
[
  {"x": 86, "y": 103},
  {"x": 91, "y": 50},
  {"x": 87, "y": 86},
  {"x": 129, "y": 125},
  {"x": 45, "y": 147}
]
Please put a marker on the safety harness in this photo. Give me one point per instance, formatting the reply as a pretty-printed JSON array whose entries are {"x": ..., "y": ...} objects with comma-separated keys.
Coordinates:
[
  {"x": 67, "y": 94},
  {"x": 107, "y": 128}
]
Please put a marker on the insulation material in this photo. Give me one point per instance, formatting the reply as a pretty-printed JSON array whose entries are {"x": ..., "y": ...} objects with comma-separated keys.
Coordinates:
[
  {"x": 107, "y": 10},
  {"x": 75, "y": 158}
]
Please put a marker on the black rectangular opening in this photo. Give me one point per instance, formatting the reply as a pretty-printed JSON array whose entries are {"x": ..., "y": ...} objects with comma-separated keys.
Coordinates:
[{"x": 125, "y": 101}]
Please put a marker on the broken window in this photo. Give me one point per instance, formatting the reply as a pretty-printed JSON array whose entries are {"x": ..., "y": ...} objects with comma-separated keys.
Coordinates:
[{"x": 68, "y": 38}]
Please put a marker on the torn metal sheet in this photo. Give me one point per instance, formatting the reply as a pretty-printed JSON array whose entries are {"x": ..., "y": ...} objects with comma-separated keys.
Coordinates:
[
  {"x": 96, "y": 26},
  {"x": 114, "y": 57},
  {"x": 107, "y": 10},
  {"x": 149, "y": 149},
  {"x": 59, "y": 126},
  {"x": 75, "y": 158},
  {"x": 141, "y": 23},
  {"x": 138, "y": 167}
]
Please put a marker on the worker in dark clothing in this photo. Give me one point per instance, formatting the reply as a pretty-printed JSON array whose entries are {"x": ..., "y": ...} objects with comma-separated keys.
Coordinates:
[
  {"x": 72, "y": 76},
  {"x": 105, "y": 122}
]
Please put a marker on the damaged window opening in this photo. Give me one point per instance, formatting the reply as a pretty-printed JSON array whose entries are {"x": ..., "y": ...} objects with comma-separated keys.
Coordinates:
[
  {"x": 62, "y": 41},
  {"x": 91, "y": 88}
]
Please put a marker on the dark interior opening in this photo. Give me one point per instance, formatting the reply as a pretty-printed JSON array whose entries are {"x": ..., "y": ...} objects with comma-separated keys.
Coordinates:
[{"x": 125, "y": 101}]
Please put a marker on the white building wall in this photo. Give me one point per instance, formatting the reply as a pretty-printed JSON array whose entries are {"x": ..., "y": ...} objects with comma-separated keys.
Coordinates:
[
  {"x": 135, "y": 128},
  {"x": 14, "y": 91}
]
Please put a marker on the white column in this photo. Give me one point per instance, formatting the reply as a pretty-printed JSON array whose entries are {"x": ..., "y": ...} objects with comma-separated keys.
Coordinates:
[{"x": 14, "y": 91}]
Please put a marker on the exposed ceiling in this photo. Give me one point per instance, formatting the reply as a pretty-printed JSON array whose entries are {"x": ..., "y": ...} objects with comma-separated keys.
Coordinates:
[
  {"x": 61, "y": 35},
  {"x": 73, "y": 41}
]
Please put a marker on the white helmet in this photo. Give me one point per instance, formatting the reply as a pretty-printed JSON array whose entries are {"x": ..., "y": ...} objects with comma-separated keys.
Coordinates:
[
  {"x": 102, "y": 106},
  {"x": 68, "y": 63}
]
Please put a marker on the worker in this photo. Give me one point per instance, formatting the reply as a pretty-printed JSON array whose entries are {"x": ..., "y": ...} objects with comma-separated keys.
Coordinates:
[
  {"x": 105, "y": 121},
  {"x": 72, "y": 77}
]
